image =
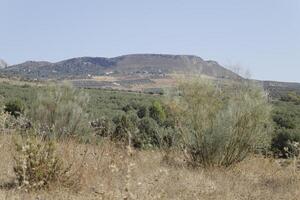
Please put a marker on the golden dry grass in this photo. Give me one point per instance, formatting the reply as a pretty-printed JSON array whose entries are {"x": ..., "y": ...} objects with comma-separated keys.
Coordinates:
[{"x": 108, "y": 172}]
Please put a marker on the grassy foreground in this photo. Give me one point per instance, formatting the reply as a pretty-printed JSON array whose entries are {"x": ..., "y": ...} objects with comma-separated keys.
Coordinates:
[
  {"x": 132, "y": 156},
  {"x": 108, "y": 172}
]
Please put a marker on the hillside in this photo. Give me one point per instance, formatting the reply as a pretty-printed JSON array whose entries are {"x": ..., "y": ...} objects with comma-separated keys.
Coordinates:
[
  {"x": 85, "y": 67},
  {"x": 136, "y": 72}
]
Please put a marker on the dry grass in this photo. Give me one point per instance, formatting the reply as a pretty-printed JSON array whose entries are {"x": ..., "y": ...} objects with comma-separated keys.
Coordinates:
[{"x": 103, "y": 172}]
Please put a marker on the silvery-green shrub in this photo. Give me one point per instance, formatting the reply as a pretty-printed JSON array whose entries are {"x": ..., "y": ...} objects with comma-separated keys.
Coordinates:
[{"x": 221, "y": 124}]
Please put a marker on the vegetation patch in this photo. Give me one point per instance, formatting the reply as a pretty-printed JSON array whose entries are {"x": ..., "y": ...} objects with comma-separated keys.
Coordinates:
[
  {"x": 37, "y": 166},
  {"x": 221, "y": 126}
]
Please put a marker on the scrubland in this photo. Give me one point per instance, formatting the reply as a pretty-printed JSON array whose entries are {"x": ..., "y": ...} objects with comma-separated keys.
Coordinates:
[
  {"x": 107, "y": 171},
  {"x": 201, "y": 141}
]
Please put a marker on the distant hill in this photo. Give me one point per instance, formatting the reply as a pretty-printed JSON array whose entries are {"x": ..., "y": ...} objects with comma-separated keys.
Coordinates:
[
  {"x": 128, "y": 64},
  {"x": 278, "y": 89},
  {"x": 136, "y": 72}
]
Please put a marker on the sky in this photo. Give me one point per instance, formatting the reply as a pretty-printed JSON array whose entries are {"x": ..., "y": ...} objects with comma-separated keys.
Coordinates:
[{"x": 261, "y": 36}]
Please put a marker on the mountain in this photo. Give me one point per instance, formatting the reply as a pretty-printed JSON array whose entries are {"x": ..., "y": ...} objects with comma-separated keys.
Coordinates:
[
  {"x": 278, "y": 89},
  {"x": 137, "y": 72},
  {"x": 3, "y": 64},
  {"x": 83, "y": 67}
]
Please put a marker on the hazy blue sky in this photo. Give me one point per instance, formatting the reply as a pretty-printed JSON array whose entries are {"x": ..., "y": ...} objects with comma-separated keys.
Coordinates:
[{"x": 260, "y": 35}]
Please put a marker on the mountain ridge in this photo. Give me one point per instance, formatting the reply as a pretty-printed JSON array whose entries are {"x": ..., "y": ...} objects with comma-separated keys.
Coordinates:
[
  {"x": 137, "y": 72},
  {"x": 125, "y": 64}
]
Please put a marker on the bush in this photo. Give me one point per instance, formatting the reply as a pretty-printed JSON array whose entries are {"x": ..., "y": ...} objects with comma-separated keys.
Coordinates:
[
  {"x": 220, "y": 126},
  {"x": 145, "y": 133},
  {"x": 284, "y": 120},
  {"x": 37, "y": 166},
  {"x": 286, "y": 130},
  {"x": 14, "y": 107},
  {"x": 127, "y": 108},
  {"x": 125, "y": 125},
  {"x": 291, "y": 97},
  {"x": 283, "y": 144},
  {"x": 103, "y": 127},
  {"x": 133, "y": 105},
  {"x": 157, "y": 112},
  {"x": 142, "y": 112},
  {"x": 149, "y": 134},
  {"x": 152, "y": 135},
  {"x": 59, "y": 112}
]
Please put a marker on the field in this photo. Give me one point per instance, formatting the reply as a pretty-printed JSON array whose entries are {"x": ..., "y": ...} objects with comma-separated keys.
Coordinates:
[
  {"x": 103, "y": 102},
  {"x": 138, "y": 83},
  {"x": 108, "y": 172}
]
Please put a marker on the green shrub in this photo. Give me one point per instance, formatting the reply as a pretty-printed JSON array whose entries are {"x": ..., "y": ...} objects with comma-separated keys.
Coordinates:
[
  {"x": 14, "y": 107},
  {"x": 157, "y": 112},
  {"x": 145, "y": 133},
  {"x": 291, "y": 97},
  {"x": 103, "y": 127},
  {"x": 125, "y": 125},
  {"x": 127, "y": 108},
  {"x": 142, "y": 112},
  {"x": 37, "y": 166},
  {"x": 283, "y": 143},
  {"x": 220, "y": 126},
  {"x": 284, "y": 120},
  {"x": 148, "y": 135},
  {"x": 151, "y": 135},
  {"x": 59, "y": 111},
  {"x": 133, "y": 105}
]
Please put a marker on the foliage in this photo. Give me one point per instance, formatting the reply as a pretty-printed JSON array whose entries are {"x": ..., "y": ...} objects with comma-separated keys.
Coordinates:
[
  {"x": 103, "y": 127},
  {"x": 36, "y": 164},
  {"x": 4, "y": 118},
  {"x": 24, "y": 94},
  {"x": 286, "y": 118},
  {"x": 149, "y": 134},
  {"x": 283, "y": 144},
  {"x": 143, "y": 112},
  {"x": 59, "y": 111},
  {"x": 125, "y": 125},
  {"x": 291, "y": 97},
  {"x": 157, "y": 112},
  {"x": 14, "y": 107},
  {"x": 105, "y": 105},
  {"x": 221, "y": 126},
  {"x": 102, "y": 102},
  {"x": 111, "y": 104},
  {"x": 145, "y": 133}
]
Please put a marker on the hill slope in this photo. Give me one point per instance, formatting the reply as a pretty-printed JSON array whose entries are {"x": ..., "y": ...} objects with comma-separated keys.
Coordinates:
[{"x": 128, "y": 64}]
